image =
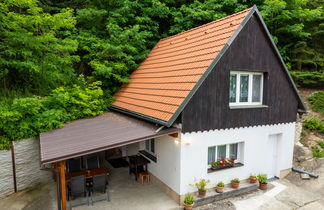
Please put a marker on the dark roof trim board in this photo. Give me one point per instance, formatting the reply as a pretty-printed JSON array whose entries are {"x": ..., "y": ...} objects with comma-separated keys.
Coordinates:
[
  {"x": 140, "y": 116},
  {"x": 253, "y": 11}
]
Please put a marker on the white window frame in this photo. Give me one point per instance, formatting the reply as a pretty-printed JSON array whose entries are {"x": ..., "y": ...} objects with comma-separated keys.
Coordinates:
[
  {"x": 238, "y": 80},
  {"x": 237, "y": 160},
  {"x": 150, "y": 146}
]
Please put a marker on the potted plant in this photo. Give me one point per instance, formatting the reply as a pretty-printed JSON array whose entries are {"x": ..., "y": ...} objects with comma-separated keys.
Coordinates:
[
  {"x": 253, "y": 179},
  {"x": 201, "y": 186},
  {"x": 263, "y": 181},
  {"x": 235, "y": 183},
  {"x": 188, "y": 201},
  {"x": 220, "y": 187}
]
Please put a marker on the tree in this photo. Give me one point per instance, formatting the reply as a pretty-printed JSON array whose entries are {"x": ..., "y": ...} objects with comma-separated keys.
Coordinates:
[
  {"x": 287, "y": 21},
  {"x": 35, "y": 47}
]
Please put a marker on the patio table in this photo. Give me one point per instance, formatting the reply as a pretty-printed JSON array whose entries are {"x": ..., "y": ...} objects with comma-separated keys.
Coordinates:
[{"x": 134, "y": 162}]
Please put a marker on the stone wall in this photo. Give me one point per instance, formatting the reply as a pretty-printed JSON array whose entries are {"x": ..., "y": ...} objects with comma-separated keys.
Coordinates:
[
  {"x": 299, "y": 128},
  {"x": 6, "y": 178},
  {"x": 28, "y": 167}
]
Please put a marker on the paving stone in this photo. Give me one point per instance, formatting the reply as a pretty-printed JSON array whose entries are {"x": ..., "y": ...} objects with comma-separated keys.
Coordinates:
[{"x": 304, "y": 176}]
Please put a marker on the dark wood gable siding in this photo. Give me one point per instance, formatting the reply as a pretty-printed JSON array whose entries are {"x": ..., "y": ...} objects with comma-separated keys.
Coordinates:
[{"x": 250, "y": 51}]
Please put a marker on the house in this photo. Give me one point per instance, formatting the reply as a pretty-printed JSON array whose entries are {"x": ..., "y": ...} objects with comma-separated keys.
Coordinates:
[
  {"x": 226, "y": 86},
  {"x": 220, "y": 90}
]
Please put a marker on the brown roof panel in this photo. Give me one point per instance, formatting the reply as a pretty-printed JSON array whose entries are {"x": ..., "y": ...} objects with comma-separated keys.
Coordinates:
[
  {"x": 95, "y": 134},
  {"x": 160, "y": 85}
]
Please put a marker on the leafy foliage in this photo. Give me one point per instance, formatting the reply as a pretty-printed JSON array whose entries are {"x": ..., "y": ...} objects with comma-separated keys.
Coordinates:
[
  {"x": 189, "y": 199},
  {"x": 35, "y": 47},
  {"x": 29, "y": 116},
  {"x": 263, "y": 178},
  {"x": 317, "y": 101},
  {"x": 47, "y": 44}
]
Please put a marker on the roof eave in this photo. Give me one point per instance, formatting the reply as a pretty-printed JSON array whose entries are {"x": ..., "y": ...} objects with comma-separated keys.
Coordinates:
[{"x": 141, "y": 116}]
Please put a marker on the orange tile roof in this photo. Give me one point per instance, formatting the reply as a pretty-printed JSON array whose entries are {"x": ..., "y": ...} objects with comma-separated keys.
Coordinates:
[{"x": 165, "y": 78}]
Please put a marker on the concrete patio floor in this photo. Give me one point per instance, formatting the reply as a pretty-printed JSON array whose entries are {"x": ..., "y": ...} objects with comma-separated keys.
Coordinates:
[{"x": 126, "y": 193}]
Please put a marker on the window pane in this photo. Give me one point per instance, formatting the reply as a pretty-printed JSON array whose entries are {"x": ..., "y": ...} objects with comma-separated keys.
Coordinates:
[
  {"x": 244, "y": 88},
  {"x": 221, "y": 152},
  {"x": 233, "y": 88},
  {"x": 152, "y": 145},
  {"x": 211, "y": 154},
  {"x": 233, "y": 151},
  {"x": 256, "y": 89},
  {"x": 147, "y": 145}
]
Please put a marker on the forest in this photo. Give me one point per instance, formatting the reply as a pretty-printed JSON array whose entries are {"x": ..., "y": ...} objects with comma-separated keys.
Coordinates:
[{"x": 62, "y": 60}]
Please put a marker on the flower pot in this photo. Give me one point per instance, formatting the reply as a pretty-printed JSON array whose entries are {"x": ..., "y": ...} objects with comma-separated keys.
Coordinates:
[
  {"x": 188, "y": 207},
  {"x": 235, "y": 185},
  {"x": 201, "y": 193},
  {"x": 253, "y": 180},
  {"x": 263, "y": 186},
  {"x": 219, "y": 189}
]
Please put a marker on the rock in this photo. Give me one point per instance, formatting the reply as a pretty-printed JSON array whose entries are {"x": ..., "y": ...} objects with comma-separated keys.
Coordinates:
[
  {"x": 301, "y": 153},
  {"x": 305, "y": 176}
]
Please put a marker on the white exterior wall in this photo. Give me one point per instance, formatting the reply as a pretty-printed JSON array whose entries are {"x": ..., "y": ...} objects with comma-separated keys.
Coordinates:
[
  {"x": 167, "y": 167},
  {"x": 257, "y": 153}
]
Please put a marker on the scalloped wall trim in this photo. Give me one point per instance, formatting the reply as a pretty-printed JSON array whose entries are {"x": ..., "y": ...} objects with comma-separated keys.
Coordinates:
[{"x": 239, "y": 128}]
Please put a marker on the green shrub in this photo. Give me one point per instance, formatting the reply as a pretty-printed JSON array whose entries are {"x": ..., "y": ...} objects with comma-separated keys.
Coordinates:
[
  {"x": 314, "y": 124},
  {"x": 27, "y": 117},
  {"x": 317, "y": 101},
  {"x": 189, "y": 199},
  {"x": 308, "y": 79}
]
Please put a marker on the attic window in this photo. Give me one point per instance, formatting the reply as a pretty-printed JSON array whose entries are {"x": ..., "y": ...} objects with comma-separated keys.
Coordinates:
[{"x": 246, "y": 88}]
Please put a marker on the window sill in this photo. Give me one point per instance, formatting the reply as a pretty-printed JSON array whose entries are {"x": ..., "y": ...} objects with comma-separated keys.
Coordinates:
[
  {"x": 247, "y": 106},
  {"x": 148, "y": 155},
  {"x": 211, "y": 170}
]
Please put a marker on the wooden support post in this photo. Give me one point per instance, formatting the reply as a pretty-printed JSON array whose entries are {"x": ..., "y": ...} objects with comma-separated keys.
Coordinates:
[
  {"x": 58, "y": 182},
  {"x": 62, "y": 184}
]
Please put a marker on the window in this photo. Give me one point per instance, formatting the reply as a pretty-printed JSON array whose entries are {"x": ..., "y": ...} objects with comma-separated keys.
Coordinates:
[
  {"x": 150, "y": 145},
  {"x": 245, "y": 88},
  {"x": 220, "y": 152}
]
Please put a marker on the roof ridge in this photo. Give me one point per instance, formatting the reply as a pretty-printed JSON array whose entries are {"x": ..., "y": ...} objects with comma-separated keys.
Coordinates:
[{"x": 195, "y": 28}]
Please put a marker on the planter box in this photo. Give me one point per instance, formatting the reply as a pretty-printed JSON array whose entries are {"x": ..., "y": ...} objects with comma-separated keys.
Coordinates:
[
  {"x": 221, "y": 167},
  {"x": 216, "y": 168}
]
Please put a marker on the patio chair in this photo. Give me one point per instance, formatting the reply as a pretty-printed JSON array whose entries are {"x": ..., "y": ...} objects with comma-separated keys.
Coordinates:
[
  {"x": 92, "y": 162},
  {"x": 99, "y": 184},
  {"x": 77, "y": 188},
  {"x": 73, "y": 165}
]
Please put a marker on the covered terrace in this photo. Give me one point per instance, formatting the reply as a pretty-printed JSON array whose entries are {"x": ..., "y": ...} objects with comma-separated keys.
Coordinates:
[{"x": 86, "y": 137}]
